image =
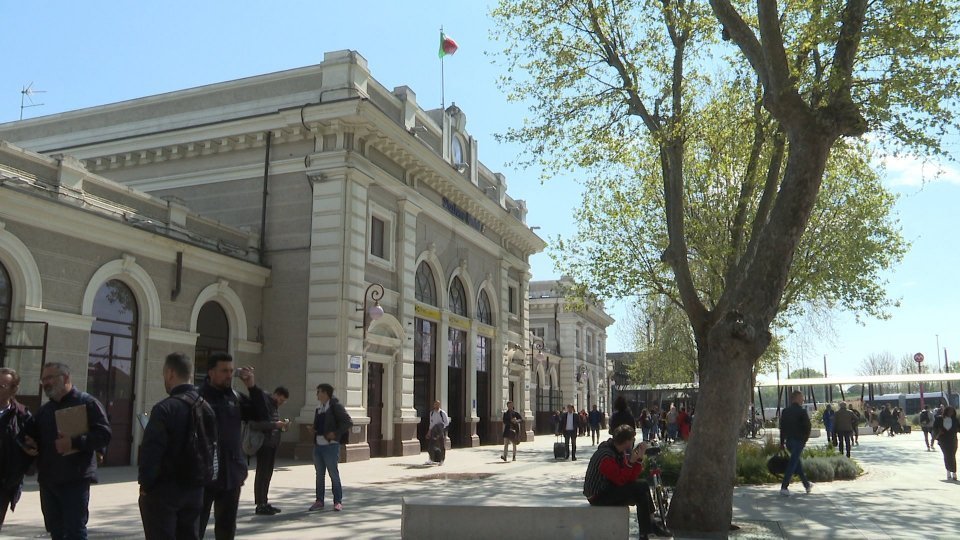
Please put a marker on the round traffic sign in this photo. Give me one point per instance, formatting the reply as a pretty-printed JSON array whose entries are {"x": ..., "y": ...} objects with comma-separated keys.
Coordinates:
[{"x": 918, "y": 357}]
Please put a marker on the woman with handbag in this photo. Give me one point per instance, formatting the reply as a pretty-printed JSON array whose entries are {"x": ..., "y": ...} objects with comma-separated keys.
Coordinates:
[{"x": 946, "y": 427}]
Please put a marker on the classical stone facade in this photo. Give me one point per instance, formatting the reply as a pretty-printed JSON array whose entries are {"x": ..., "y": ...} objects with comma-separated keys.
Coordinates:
[
  {"x": 567, "y": 351},
  {"x": 348, "y": 187}
]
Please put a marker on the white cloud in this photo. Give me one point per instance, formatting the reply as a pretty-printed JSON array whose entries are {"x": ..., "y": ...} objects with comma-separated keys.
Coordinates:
[{"x": 915, "y": 171}]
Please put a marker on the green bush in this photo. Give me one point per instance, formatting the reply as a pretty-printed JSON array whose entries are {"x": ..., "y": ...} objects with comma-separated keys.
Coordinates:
[
  {"x": 826, "y": 450},
  {"x": 820, "y": 464},
  {"x": 819, "y": 469}
]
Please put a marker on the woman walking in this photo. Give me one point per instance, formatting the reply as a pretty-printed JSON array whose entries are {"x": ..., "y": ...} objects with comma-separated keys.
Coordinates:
[
  {"x": 621, "y": 415},
  {"x": 946, "y": 428}
]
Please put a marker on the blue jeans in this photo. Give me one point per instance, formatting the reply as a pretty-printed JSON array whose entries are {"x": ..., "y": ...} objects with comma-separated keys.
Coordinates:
[
  {"x": 325, "y": 460},
  {"x": 795, "y": 446},
  {"x": 64, "y": 508}
]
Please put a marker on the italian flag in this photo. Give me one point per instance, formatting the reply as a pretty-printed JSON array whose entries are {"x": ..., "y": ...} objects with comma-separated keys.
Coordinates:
[{"x": 447, "y": 46}]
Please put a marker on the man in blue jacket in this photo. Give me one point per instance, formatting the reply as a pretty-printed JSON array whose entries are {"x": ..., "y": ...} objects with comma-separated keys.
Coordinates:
[
  {"x": 66, "y": 466},
  {"x": 794, "y": 433}
]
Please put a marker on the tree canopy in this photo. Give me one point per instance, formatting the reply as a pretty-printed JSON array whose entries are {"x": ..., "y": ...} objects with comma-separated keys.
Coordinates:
[{"x": 742, "y": 125}]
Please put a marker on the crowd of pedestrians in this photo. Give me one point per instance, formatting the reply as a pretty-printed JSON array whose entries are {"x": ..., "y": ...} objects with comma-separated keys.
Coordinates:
[{"x": 193, "y": 455}]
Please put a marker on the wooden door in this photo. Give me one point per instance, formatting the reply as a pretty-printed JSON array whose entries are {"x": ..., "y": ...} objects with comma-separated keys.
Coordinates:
[{"x": 375, "y": 408}]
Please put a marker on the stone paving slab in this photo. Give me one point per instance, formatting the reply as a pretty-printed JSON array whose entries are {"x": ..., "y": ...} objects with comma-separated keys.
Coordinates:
[{"x": 902, "y": 495}]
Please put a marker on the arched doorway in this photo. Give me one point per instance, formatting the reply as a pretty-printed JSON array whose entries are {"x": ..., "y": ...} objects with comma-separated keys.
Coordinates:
[
  {"x": 213, "y": 331},
  {"x": 456, "y": 362},
  {"x": 110, "y": 363},
  {"x": 484, "y": 359},
  {"x": 6, "y": 305},
  {"x": 424, "y": 352}
]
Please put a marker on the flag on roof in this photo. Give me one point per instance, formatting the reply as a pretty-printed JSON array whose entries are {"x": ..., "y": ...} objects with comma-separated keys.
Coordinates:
[{"x": 447, "y": 46}]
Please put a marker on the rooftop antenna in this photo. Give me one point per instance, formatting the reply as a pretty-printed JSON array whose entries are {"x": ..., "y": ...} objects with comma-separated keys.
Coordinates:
[{"x": 25, "y": 94}]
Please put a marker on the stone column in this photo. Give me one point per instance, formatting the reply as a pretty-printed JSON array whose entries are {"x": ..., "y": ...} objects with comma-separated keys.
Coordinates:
[{"x": 405, "y": 442}]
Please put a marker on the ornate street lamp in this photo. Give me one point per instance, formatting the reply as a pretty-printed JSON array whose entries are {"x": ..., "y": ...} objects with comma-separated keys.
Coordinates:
[
  {"x": 918, "y": 358},
  {"x": 374, "y": 292}
]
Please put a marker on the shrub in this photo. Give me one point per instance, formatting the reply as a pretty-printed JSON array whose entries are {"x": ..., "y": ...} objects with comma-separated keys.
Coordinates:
[
  {"x": 826, "y": 450},
  {"x": 845, "y": 468},
  {"x": 819, "y": 469}
]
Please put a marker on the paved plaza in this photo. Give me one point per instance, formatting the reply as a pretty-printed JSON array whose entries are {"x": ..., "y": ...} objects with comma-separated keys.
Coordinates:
[{"x": 904, "y": 494}]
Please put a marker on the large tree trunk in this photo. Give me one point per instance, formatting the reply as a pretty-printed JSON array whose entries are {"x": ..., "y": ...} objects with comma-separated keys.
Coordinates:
[{"x": 703, "y": 501}]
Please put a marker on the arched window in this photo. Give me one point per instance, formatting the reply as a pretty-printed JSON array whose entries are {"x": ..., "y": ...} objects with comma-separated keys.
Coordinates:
[
  {"x": 214, "y": 336},
  {"x": 484, "y": 313},
  {"x": 426, "y": 287},
  {"x": 111, "y": 361},
  {"x": 458, "y": 297},
  {"x": 6, "y": 303}
]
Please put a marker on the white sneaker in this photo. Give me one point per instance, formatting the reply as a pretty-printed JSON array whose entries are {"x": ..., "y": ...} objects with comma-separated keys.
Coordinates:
[{"x": 784, "y": 492}]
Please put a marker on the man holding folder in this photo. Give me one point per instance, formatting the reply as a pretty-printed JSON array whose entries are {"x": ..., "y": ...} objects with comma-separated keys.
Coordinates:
[{"x": 65, "y": 434}]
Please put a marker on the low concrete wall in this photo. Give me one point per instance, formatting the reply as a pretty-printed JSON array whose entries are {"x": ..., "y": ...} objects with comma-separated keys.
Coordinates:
[{"x": 427, "y": 518}]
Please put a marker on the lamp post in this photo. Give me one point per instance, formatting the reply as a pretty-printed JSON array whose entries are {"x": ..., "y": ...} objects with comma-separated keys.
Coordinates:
[
  {"x": 374, "y": 292},
  {"x": 918, "y": 358}
]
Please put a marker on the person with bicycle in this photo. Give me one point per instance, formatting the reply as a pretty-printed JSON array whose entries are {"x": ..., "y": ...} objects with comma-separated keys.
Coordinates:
[{"x": 613, "y": 479}]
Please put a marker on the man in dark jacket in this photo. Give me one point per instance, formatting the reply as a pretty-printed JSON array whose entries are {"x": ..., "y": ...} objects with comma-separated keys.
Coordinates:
[
  {"x": 231, "y": 408},
  {"x": 794, "y": 433},
  {"x": 66, "y": 465},
  {"x": 331, "y": 425},
  {"x": 613, "y": 479},
  {"x": 13, "y": 461},
  {"x": 170, "y": 504},
  {"x": 267, "y": 454},
  {"x": 569, "y": 422}
]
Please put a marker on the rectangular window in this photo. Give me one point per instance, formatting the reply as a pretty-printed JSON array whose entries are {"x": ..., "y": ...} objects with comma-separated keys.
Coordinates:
[
  {"x": 539, "y": 332},
  {"x": 578, "y": 338},
  {"x": 377, "y": 245},
  {"x": 512, "y": 300},
  {"x": 589, "y": 343}
]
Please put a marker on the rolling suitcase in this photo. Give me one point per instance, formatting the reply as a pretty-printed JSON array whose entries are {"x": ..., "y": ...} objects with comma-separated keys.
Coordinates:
[{"x": 559, "y": 449}]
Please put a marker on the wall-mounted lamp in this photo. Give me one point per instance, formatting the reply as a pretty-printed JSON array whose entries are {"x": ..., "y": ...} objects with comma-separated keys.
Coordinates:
[
  {"x": 537, "y": 352},
  {"x": 581, "y": 371},
  {"x": 374, "y": 292}
]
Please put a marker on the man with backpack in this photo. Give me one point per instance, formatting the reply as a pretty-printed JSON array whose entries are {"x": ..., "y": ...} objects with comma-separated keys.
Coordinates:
[
  {"x": 177, "y": 457},
  {"x": 231, "y": 408},
  {"x": 926, "y": 423},
  {"x": 66, "y": 466}
]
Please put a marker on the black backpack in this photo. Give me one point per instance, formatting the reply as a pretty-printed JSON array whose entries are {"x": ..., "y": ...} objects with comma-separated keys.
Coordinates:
[{"x": 200, "y": 463}]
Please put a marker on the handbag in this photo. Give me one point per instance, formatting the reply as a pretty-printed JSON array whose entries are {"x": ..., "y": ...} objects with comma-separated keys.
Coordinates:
[
  {"x": 777, "y": 464},
  {"x": 251, "y": 440}
]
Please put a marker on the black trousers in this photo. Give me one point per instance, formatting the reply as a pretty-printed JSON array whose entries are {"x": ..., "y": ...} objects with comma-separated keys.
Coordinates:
[
  {"x": 266, "y": 459},
  {"x": 224, "y": 503},
  {"x": 170, "y": 511},
  {"x": 570, "y": 438},
  {"x": 949, "y": 448},
  {"x": 65, "y": 509},
  {"x": 636, "y": 494},
  {"x": 4, "y": 505}
]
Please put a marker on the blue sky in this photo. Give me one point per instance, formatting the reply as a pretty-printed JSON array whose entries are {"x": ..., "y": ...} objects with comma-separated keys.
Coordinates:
[{"x": 93, "y": 52}]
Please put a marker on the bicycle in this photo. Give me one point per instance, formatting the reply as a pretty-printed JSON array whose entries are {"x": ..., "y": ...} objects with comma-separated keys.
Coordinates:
[{"x": 661, "y": 495}]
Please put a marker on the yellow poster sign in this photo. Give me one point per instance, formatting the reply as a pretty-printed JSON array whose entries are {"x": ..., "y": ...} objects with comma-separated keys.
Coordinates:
[{"x": 427, "y": 312}]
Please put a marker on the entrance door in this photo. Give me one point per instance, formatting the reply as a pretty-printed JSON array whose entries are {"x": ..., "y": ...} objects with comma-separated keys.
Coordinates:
[
  {"x": 456, "y": 381},
  {"x": 483, "y": 408},
  {"x": 424, "y": 367},
  {"x": 375, "y": 408},
  {"x": 110, "y": 365}
]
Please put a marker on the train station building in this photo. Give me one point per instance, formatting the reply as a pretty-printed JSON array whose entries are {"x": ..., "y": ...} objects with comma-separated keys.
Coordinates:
[{"x": 313, "y": 223}]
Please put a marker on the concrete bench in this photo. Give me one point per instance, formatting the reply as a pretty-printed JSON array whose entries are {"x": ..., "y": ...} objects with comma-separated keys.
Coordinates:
[{"x": 425, "y": 518}]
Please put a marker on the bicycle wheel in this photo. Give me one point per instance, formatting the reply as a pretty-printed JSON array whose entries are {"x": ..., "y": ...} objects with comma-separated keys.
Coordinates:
[{"x": 662, "y": 502}]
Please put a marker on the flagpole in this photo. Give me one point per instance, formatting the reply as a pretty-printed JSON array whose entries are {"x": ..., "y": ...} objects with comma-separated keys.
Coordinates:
[{"x": 443, "y": 100}]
